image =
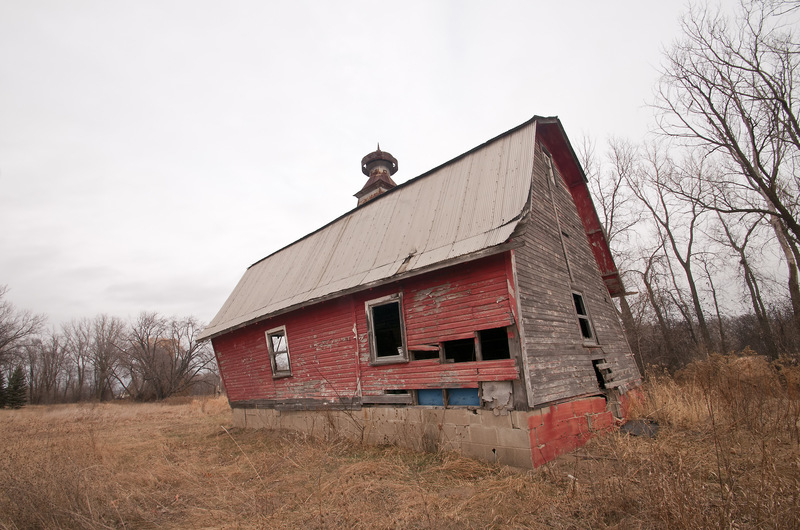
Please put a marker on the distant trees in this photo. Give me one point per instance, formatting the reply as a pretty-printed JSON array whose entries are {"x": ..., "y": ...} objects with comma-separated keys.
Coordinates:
[{"x": 103, "y": 358}]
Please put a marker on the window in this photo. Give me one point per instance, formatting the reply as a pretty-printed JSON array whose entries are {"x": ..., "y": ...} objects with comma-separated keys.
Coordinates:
[
  {"x": 494, "y": 344},
  {"x": 423, "y": 354},
  {"x": 279, "y": 352},
  {"x": 387, "y": 336},
  {"x": 459, "y": 351},
  {"x": 583, "y": 318}
]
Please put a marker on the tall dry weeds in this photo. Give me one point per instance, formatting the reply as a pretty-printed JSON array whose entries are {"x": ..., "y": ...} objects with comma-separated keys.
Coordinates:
[
  {"x": 174, "y": 466},
  {"x": 726, "y": 456}
]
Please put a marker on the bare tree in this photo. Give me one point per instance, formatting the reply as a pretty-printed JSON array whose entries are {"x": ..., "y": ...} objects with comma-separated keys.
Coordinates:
[
  {"x": 163, "y": 356},
  {"x": 676, "y": 217},
  {"x": 739, "y": 245},
  {"x": 656, "y": 301},
  {"x": 707, "y": 259},
  {"x": 15, "y": 327},
  {"x": 106, "y": 348},
  {"x": 78, "y": 343},
  {"x": 619, "y": 213},
  {"x": 728, "y": 87},
  {"x": 46, "y": 361}
]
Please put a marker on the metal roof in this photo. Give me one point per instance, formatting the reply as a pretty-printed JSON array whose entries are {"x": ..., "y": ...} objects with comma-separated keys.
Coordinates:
[{"x": 464, "y": 206}]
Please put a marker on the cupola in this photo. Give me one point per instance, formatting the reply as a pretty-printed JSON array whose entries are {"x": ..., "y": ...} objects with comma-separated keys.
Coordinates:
[{"x": 378, "y": 166}]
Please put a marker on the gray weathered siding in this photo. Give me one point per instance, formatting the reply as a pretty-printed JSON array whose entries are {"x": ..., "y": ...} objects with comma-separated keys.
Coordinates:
[{"x": 559, "y": 364}]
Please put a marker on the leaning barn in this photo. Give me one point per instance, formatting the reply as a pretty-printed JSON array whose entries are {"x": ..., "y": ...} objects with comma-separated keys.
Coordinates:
[{"x": 468, "y": 309}]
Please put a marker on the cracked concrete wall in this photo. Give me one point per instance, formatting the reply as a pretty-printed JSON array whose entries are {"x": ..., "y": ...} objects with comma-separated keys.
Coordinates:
[{"x": 514, "y": 438}]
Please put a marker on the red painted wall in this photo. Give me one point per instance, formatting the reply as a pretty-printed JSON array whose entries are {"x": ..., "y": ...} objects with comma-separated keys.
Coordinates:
[
  {"x": 329, "y": 346},
  {"x": 562, "y": 428}
]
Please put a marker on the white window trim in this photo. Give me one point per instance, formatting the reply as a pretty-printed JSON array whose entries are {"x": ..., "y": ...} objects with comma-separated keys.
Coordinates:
[
  {"x": 278, "y": 374},
  {"x": 400, "y": 357}
]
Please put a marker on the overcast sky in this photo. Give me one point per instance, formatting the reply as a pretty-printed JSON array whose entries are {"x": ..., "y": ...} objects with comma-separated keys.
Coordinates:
[{"x": 151, "y": 150}]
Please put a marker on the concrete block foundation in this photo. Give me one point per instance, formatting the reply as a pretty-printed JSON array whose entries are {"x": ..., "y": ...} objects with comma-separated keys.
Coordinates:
[{"x": 519, "y": 439}]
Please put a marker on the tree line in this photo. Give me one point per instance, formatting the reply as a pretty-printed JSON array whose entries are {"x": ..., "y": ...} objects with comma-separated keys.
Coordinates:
[
  {"x": 703, "y": 217},
  {"x": 101, "y": 358}
]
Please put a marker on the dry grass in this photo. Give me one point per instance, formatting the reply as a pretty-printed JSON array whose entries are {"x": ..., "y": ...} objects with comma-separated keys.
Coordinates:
[{"x": 180, "y": 465}]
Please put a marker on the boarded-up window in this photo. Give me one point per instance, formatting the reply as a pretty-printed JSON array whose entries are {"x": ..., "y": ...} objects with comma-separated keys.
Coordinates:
[
  {"x": 449, "y": 397},
  {"x": 386, "y": 330},
  {"x": 279, "y": 352}
]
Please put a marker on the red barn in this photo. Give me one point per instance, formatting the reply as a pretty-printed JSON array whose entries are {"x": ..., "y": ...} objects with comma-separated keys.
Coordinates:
[{"x": 467, "y": 309}]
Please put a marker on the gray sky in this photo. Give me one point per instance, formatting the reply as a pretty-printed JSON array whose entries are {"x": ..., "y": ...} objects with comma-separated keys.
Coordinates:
[{"x": 151, "y": 150}]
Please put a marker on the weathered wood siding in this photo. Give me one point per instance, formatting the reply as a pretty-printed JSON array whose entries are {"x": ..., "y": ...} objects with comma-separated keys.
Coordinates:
[
  {"x": 558, "y": 360},
  {"x": 329, "y": 346},
  {"x": 322, "y": 352}
]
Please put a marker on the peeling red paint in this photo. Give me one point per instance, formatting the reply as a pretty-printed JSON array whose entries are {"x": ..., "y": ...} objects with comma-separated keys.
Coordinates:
[
  {"x": 444, "y": 305},
  {"x": 564, "y": 427}
]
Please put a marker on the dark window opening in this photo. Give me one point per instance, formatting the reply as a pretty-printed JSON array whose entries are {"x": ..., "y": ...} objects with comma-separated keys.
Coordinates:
[
  {"x": 419, "y": 355},
  {"x": 494, "y": 344},
  {"x": 396, "y": 392},
  {"x": 459, "y": 351},
  {"x": 583, "y": 317},
  {"x": 387, "y": 330}
]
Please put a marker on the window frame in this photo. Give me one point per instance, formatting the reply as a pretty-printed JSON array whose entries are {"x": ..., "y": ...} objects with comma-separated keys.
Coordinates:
[
  {"x": 576, "y": 295},
  {"x": 276, "y": 373},
  {"x": 369, "y": 305}
]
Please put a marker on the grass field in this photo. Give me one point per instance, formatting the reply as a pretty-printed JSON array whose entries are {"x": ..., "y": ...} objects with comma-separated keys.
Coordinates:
[{"x": 727, "y": 455}]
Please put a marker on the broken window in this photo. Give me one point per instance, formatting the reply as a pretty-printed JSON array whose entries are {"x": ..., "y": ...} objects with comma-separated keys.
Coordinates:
[
  {"x": 427, "y": 353},
  {"x": 600, "y": 369},
  {"x": 386, "y": 330},
  {"x": 493, "y": 344},
  {"x": 279, "y": 352},
  {"x": 459, "y": 351},
  {"x": 583, "y": 317}
]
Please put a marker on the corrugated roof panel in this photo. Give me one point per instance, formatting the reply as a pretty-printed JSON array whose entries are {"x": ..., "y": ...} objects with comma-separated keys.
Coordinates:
[
  {"x": 339, "y": 263},
  {"x": 322, "y": 253},
  {"x": 465, "y": 206},
  {"x": 448, "y": 215},
  {"x": 372, "y": 223},
  {"x": 421, "y": 227},
  {"x": 518, "y": 159},
  {"x": 477, "y": 201},
  {"x": 395, "y": 220}
]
